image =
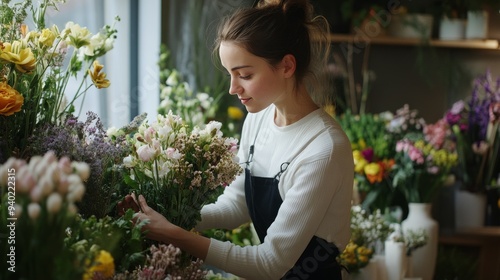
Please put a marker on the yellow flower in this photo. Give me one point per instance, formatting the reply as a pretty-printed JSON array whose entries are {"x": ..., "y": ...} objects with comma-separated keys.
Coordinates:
[
  {"x": 11, "y": 100},
  {"x": 98, "y": 78},
  {"x": 47, "y": 38},
  {"x": 75, "y": 35},
  {"x": 235, "y": 113},
  {"x": 359, "y": 161},
  {"x": 103, "y": 265},
  {"x": 19, "y": 54}
]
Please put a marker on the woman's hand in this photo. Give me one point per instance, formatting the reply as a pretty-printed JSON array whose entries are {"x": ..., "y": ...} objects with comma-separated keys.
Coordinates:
[
  {"x": 128, "y": 202},
  {"x": 157, "y": 227}
]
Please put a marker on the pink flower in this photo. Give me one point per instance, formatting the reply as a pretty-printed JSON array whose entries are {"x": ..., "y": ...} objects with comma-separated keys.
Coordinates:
[
  {"x": 416, "y": 155},
  {"x": 146, "y": 153}
]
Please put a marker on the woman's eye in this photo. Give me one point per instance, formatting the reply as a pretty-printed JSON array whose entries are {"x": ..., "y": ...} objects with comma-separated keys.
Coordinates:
[{"x": 245, "y": 77}]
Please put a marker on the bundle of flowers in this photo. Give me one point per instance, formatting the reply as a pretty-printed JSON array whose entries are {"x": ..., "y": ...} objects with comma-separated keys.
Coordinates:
[
  {"x": 476, "y": 128},
  {"x": 373, "y": 138},
  {"x": 355, "y": 257},
  {"x": 180, "y": 168},
  {"x": 421, "y": 168},
  {"x": 413, "y": 239},
  {"x": 89, "y": 142},
  {"x": 368, "y": 229},
  {"x": 163, "y": 262},
  {"x": 38, "y": 205},
  {"x": 36, "y": 66}
]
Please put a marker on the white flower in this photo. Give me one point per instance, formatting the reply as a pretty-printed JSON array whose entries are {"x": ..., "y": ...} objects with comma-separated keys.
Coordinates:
[
  {"x": 82, "y": 169},
  {"x": 146, "y": 153},
  {"x": 128, "y": 161},
  {"x": 76, "y": 192},
  {"x": 54, "y": 203},
  {"x": 173, "y": 153},
  {"x": 34, "y": 210}
]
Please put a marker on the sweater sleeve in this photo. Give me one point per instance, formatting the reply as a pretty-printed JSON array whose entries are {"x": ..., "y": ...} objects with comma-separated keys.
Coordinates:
[{"x": 315, "y": 186}]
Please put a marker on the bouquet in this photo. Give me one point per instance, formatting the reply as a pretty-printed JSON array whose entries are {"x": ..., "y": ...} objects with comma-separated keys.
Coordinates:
[
  {"x": 38, "y": 205},
  {"x": 367, "y": 231},
  {"x": 36, "y": 66},
  {"x": 475, "y": 124},
  {"x": 373, "y": 157},
  {"x": 421, "y": 168},
  {"x": 179, "y": 168}
]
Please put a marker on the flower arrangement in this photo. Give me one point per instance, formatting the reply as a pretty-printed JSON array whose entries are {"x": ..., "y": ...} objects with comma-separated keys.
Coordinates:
[
  {"x": 421, "y": 168},
  {"x": 373, "y": 138},
  {"x": 475, "y": 125},
  {"x": 355, "y": 257},
  {"x": 368, "y": 228},
  {"x": 89, "y": 142},
  {"x": 163, "y": 262},
  {"x": 180, "y": 168},
  {"x": 38, "y": 205},
  {"x": 413, "y": 239},
  {"x": 36, "y": 66},
  {"x": 367, "y": 231},
  {"x": 373, "y": 157}
]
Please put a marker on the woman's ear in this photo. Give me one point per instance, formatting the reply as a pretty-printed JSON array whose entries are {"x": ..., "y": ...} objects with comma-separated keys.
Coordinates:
[{"x": 289, "y": 64}]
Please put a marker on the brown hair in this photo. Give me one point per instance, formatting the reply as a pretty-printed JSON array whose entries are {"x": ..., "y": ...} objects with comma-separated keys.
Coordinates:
[{"x": 275, "y": 28}]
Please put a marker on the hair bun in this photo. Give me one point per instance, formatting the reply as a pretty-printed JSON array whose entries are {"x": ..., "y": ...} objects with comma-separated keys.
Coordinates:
[{"x": 300, "y": 10}]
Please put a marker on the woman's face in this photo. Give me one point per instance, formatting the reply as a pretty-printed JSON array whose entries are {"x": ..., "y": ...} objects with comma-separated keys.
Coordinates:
[{"x": 256, "y": 83}]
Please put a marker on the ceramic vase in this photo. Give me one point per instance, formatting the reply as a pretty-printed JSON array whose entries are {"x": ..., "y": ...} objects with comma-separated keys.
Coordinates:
[
  {"x": 369, "y": 272},
  {"x": 477, "y": 25},
  {"x": 395, "y": 260},
  {"x": 423, "y": 259},
  {"x": 470, "y": 209},
  {"x": 452, "y": 29}
]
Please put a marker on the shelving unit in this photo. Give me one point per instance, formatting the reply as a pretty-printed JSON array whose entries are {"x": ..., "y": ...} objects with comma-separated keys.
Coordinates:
[
  {"x": 486, "y": 240},
  {"x": 487, "y": 44}
]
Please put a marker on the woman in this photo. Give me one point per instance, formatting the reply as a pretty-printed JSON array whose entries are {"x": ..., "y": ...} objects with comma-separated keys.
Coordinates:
[{"x": 297, "y": 185}]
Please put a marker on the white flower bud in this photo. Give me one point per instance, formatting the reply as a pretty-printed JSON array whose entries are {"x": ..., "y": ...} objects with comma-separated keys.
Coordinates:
[
  {"x": 34, "y": 210},
  {"x": 76, "y": 192},
  {"x": 54, "y": 203},
  {"x": 82, "y": 169}
]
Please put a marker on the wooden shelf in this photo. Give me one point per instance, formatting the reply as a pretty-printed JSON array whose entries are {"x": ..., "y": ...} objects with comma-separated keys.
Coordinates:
[
  {"x": 487, "y": 240},
  {"x": 487, "y": 44}
]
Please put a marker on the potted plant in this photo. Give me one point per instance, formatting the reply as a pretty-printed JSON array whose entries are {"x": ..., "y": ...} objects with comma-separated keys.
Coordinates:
[
  {"x": 411, "y": 20},
  {"x": 475, "y": 126}
]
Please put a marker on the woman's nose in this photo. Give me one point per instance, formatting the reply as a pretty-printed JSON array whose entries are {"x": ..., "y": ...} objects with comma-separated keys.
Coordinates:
[{"x": 234, "y": 87}]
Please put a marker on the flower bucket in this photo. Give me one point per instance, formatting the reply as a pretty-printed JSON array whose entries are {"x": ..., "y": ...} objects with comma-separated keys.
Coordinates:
[{"x": 470, "y": 209}]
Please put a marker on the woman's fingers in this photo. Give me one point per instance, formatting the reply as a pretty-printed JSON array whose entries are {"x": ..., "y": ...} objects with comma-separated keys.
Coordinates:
[{"x": 143, "y": 205}]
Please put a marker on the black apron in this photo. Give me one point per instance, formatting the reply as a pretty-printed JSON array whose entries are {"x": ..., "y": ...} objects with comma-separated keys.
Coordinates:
[{"x": 318, "y": 261}]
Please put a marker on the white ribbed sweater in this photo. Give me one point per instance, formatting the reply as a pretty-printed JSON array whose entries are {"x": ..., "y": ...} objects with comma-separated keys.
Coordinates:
[{"x": 316, "y": 190}]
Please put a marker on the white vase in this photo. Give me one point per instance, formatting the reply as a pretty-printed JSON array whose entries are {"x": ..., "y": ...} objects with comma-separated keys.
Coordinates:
[
  {"x": 477, "y": 25},
  {"x": 470, "y": 209},
  {"x": 423, "y": 259},
  {"x": 452, "y": 29},
  {"x": 379, "y": 260},
  {"x": 369, "y": 272},
  {"x": 395, "y": 260}
]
